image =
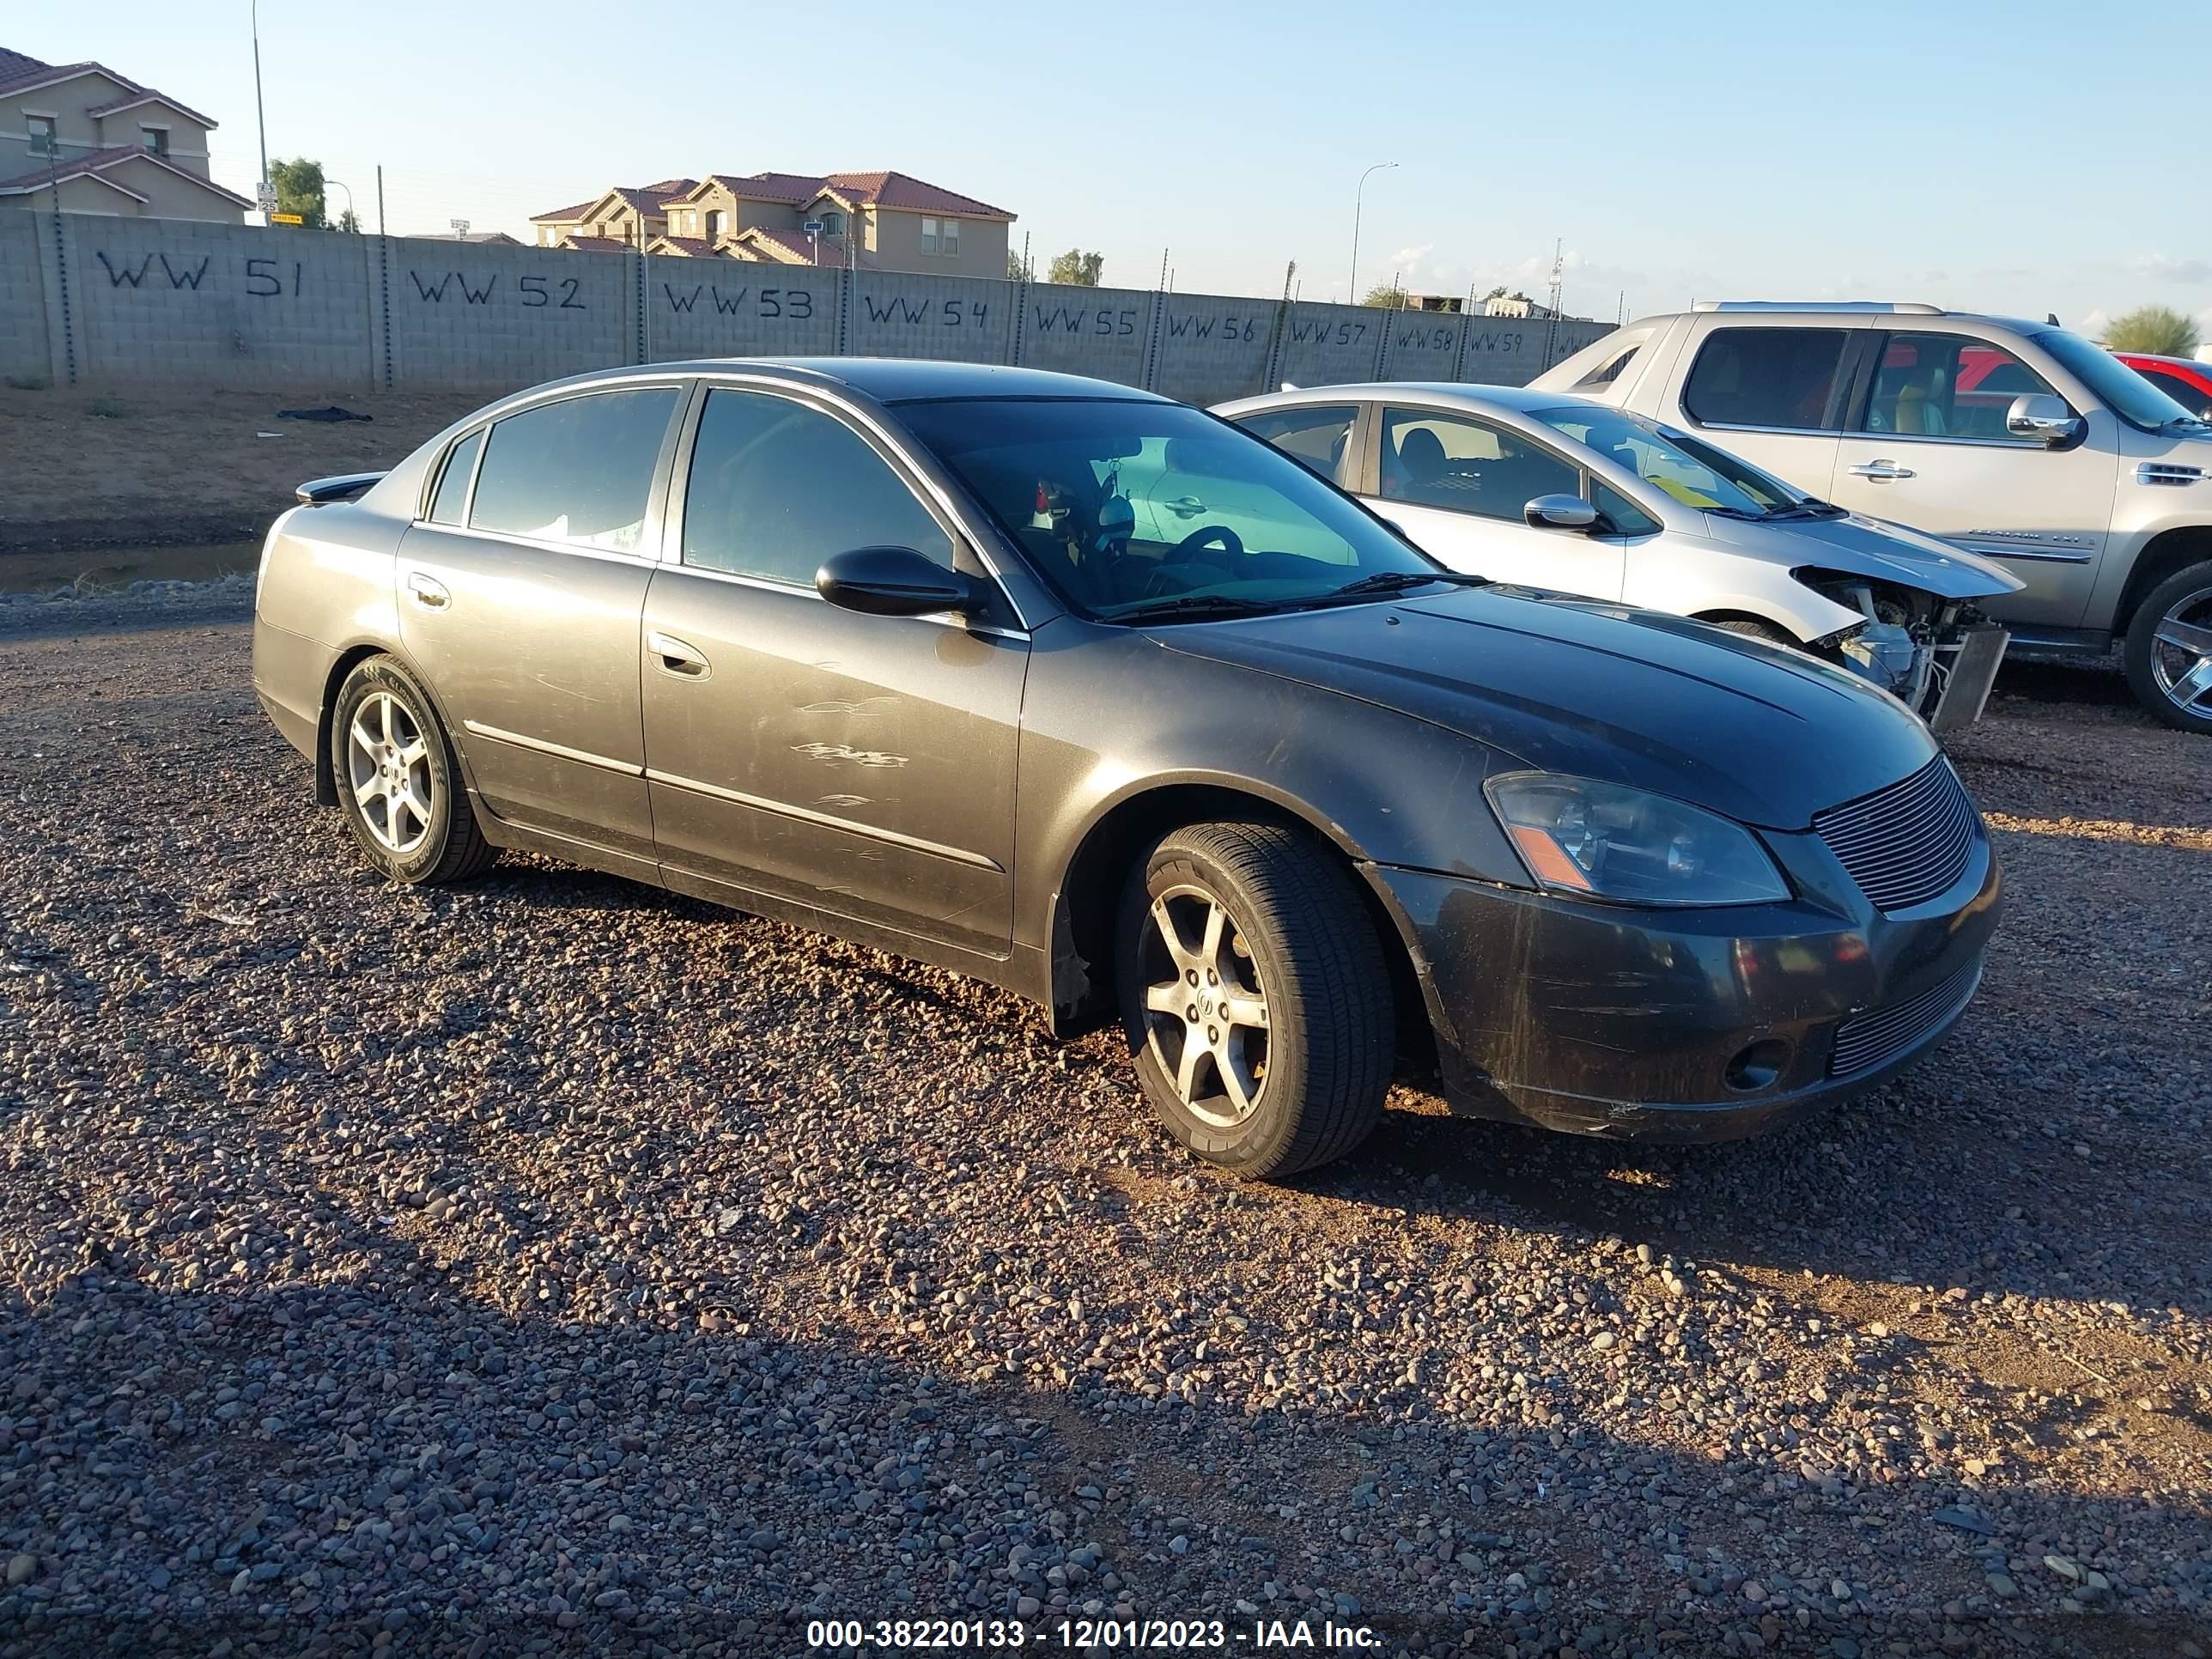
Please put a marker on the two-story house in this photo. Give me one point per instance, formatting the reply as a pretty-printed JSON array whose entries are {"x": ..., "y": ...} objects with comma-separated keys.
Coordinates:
[
  {"x": 877, "y": 220},
  {"x": 105, "y": 144}
]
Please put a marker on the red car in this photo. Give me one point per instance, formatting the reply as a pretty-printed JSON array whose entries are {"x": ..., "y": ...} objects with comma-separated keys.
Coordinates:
[{"x": 2185, "y": 380}]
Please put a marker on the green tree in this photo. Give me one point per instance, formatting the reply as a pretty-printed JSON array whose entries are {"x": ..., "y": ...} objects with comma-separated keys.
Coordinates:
[
  {"x": 2160, "y": 331},
  {"x": 1385, "y": 296},
  {"x": 1076, "y": 268},
  {"x": 299, "y": 184},
  {"x": 1018, "y": 270},
  {"x": 348, "y": 223}
]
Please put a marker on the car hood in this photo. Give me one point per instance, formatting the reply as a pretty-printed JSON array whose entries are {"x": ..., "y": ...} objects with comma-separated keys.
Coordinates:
[
  {"x": 1764, "y": 735},
  {"x": 1859, "y": 546}
]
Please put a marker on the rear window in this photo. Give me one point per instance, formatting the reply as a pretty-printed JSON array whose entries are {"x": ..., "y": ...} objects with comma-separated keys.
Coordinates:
[{"x": 1767, "y": 377}]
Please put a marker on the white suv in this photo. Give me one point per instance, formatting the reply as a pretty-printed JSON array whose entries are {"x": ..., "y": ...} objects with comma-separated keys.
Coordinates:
[{"x": 2015, "y": 439}]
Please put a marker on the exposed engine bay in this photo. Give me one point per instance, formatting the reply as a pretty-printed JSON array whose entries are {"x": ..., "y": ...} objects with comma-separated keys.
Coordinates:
[{"x": 1938, "y": 656}]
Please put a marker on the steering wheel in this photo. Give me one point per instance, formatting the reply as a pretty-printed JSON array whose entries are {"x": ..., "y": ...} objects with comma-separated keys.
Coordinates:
[{"x": 1231, "y": 545}]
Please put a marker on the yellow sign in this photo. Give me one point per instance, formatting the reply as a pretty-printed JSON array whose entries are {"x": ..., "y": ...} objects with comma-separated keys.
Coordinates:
[{"x": 286, "y": 219}]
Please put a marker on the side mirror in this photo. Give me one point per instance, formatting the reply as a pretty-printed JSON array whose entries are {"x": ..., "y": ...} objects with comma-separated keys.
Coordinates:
[
  {"x": 1559, "y": 512},
  {"x": 894, "y": 582},
  {"x": 2046, "y": 419}
]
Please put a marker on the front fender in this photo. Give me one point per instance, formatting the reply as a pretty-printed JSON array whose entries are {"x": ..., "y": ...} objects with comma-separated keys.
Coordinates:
[{"x": 1380, "y": 786}]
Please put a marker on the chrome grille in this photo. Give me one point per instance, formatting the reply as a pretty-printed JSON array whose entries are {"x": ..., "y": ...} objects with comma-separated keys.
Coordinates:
[
  {"x": 1878, "y": 1036},
  {"x": 1906, "y": 844}
]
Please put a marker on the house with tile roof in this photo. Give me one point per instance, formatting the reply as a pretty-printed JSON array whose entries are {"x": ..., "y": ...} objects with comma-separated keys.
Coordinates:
[
  {"x": 99, "y": 141},
  {"x": 877, "y": 221}
]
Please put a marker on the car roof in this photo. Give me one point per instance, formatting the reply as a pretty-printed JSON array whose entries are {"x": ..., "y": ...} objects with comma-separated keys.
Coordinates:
[
  {"x": 1519, "y": 398},
  {"x": 899, "y": 380}
]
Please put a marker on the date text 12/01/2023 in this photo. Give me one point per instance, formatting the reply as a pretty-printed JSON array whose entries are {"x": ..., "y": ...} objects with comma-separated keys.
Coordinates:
[{"x": 1085, "y": 1635}]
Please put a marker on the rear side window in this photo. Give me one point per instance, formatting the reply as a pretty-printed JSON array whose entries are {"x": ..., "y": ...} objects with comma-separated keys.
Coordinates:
[
  {"x": 579, "y": 470},
  {"x": 452, "y": 496},
  {"x": 1767, "y": 377},
  {"x": 1318, "y": 437},
  {"x": 777, "y": 487}
]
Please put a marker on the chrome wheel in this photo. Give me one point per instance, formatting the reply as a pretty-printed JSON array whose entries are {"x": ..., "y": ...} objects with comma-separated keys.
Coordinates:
[
  {"x": 388, "y": 764},
  {"x": 2181, "y": 652},
  {"x": 1206, "y": 1011}
]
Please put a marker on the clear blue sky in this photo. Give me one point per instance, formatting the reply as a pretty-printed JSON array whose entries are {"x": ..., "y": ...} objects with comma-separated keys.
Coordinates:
[{"x": 2027, "y": 156}]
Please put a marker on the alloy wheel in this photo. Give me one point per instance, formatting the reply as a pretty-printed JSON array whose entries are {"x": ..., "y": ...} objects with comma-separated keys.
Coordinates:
[
  {"x": 1206, "y": 1010},
  {"x": 388, "y": 764},
  {"x": 2181, "y": 652}
]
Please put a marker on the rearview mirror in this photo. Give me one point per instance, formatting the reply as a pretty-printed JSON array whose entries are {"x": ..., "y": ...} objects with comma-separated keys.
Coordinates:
[
  {"x": 894, "y": 582},
  {"x": 1559, "y": 512},
  {"x": 2046, "y": 419}
]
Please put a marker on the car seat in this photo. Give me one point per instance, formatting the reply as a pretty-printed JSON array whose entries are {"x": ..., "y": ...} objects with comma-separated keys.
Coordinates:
[{"x": 1920, "y": 408}]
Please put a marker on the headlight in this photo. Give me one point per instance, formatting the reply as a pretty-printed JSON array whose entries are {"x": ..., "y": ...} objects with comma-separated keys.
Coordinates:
[{"x": 1602, "y": 841}]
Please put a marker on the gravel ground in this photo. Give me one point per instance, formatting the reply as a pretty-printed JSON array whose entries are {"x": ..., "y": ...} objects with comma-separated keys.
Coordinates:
[{"x": 555, "y": 1265}]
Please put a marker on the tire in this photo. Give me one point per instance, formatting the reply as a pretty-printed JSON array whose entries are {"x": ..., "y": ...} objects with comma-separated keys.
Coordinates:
[
  {"x": 1752, "y": 628},
  {"x": 399, "y": 784},
  {"x": 1297, "y": 947},
  {"x": 2156, "y": 668}
]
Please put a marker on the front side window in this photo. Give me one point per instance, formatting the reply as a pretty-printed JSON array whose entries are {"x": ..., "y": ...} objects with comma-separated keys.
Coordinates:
[
  {"x": 929, "y": 236},
  {"x": 1782, "y": 378},
  {"x": 1318, "y": 437},
  {"x": 776, "y": 487},
  {"x": 579, "y": 470},
  {"x": 1129, "y": 507},
  {"x": 1622, "y": 516},
  {"x": 1695, "y": 474},
  {"x": 1466, "y": 465},
  {"x": 1947, "y": 385},
  {"x": 450, "y": 502},
  {"x": 43, "y": 141}
]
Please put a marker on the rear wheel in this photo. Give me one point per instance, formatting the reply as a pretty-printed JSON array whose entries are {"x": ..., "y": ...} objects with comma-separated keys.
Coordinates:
[
  {"x": 2169, "y": 650},
  {"x": 1256, "y": 997},
  {"x": 399, "y": 782}
]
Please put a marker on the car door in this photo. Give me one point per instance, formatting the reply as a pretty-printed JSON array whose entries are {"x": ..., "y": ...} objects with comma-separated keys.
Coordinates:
[
  {"x": 520, "y": 598},
  {"x": 1929, "y": 448},
  {"x": 1773, "y": 393},
  {"x": 1459, "y": 487},
  {"x": 860, "y": 765}
]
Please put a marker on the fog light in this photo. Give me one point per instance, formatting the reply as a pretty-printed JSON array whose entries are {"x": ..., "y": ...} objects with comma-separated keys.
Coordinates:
[{"x": 1756, "y": 1065}]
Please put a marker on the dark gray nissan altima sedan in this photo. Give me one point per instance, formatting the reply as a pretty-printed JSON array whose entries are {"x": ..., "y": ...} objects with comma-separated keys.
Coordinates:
[{"x": 1091, "y": 695}]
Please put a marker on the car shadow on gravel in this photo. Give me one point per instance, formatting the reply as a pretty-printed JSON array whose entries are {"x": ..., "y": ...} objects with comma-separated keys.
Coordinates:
[{"x": 398, "y": 1463}]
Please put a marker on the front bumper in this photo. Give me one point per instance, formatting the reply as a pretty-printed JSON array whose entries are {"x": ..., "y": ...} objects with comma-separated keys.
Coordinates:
[{"x": 1691, "y": 1025}]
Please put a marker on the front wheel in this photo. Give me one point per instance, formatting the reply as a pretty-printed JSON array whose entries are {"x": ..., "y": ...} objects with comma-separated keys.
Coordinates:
[
  {"x": 1257, "y": 999},
  {"x": 399, "y": 782},
  {"x": 2169, "y": 650}
]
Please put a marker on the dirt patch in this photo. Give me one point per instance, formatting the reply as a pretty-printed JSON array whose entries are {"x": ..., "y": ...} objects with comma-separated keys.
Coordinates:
[{"x": 165, "y": 467}]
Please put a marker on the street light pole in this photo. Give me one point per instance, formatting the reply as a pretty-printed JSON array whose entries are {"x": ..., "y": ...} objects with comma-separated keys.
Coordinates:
[
  {"x": 261, "y": 121},
  {"x": 1358, "y": 199},
  {"x": 347, "y": 189}
]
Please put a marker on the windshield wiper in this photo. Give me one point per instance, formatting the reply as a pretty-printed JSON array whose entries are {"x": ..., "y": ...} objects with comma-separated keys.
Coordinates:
[
  {"x": 1395, "y": 581},
  {"x": 1194, "y": 607},
  {"x": 1808, "y": 508}
]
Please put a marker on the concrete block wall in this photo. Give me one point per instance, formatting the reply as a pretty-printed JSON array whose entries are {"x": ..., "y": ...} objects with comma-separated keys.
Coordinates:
[
  {"x": 23, "y": 350},
  {"x": 121, "y": 301}
]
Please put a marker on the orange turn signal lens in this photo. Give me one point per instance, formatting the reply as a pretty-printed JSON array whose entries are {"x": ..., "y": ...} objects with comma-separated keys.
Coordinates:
[{"x": 1547, "y": 860}]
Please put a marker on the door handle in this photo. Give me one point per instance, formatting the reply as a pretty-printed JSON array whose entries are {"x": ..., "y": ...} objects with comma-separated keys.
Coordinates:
[
  {"x": 677, "y": 657},
  {"x": 1186, "y": 506},
  {"x": 428, "y": 590},
  {"x": 1882, "y": 470}
]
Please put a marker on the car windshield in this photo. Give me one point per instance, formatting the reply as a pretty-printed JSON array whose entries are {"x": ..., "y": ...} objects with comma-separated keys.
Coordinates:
[
  {"x": 1693, "y": 473},
  {"x": 1141, "y": 511},
  {"x": 2123, "y": 391}
]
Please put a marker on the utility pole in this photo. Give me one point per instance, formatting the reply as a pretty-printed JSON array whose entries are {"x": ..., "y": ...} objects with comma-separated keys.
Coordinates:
[{"x": 266, "y": 194}]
